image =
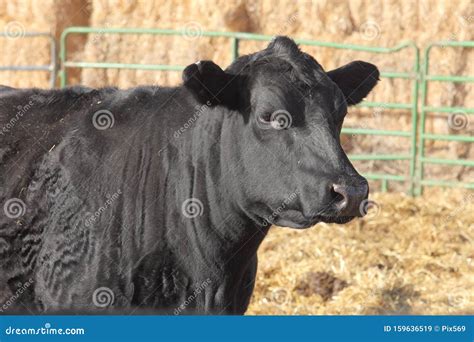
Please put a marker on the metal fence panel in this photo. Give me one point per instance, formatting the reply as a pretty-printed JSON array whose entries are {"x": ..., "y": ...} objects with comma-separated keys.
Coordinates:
[
  {"x": 51, "y": 67},
  {"x": 236, "y": 37},
  {"x": 416, "y": 155},
  {"x": 424, "y": 109}
]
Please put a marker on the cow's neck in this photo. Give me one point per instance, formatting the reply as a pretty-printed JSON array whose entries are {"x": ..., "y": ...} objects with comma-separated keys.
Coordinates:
[
  {"x": 222, "y": 243},
  {"x": 224, "y": 234}
]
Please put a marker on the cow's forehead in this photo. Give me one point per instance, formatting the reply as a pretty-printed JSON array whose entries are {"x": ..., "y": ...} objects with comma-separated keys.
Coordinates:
[{"x": 300, "y": 68}]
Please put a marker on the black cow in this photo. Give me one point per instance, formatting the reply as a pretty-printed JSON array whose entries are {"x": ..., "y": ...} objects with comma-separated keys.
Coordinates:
[{"x": 158, "y": 198}]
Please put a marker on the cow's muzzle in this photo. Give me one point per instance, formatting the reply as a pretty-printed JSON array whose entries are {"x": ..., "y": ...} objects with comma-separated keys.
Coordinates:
[{"x": 348, "y": 198}]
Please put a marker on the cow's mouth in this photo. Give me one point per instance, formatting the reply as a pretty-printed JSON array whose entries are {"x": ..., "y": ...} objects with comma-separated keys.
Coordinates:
[
  {"x": 303, "y": 223},
  {"x": 335, "y": 219}
]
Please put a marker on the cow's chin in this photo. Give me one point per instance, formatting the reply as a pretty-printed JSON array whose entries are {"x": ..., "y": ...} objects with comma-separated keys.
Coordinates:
[
  {"x": 336, "y": 219},
  {"x": 305, "y": 223}
]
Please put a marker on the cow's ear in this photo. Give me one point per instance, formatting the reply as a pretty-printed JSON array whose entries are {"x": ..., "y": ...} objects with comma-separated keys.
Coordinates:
[
  {"x": 356, "y": 80},
  {"x": 210, "y": 84}
]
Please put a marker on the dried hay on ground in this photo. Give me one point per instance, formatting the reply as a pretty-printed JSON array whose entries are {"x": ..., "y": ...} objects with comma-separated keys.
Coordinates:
[{"x": 412, "y": 256}]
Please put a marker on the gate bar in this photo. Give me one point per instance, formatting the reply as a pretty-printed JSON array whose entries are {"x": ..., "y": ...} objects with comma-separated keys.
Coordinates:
[
  {"x": 51, "y": 68},
  {"x": 422, "y": 159},
  {"x": 235, "y": 37}
]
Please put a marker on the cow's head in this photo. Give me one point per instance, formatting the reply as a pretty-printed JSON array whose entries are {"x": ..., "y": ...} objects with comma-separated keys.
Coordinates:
[{"x": 282, "y": 121}]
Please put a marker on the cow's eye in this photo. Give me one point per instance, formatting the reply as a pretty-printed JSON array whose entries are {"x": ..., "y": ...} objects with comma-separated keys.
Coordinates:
[
  {"x": 265, "y": 118},
  {"x": 279, "y": 119}
]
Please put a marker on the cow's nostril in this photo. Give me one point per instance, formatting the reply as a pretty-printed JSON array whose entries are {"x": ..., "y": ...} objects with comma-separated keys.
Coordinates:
[{"x": 341, "y": 196}]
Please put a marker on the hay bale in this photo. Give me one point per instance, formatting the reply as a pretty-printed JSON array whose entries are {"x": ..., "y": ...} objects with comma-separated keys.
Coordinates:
[
  {"x": 15, "y": 19},
  {"x": 365, "y": 22},
  {"x": 358, "y": 22},
  {"x": 18, "y": 17}
]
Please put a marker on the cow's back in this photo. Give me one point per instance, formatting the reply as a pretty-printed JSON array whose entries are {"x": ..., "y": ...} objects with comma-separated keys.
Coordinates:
[
  {"x": 32, "y": 123},
  {"x": 59, "y": 167}
]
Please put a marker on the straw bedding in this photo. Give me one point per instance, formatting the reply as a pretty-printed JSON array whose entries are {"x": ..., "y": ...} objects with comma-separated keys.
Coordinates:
[
  {"x": 408, "y": 256},
  {"x": 366, "y": 22}
]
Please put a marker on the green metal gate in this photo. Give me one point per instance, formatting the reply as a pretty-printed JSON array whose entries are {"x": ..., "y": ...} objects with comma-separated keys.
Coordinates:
[
  {"x": 416, "y": 154},
  {"x": 235, "y": 38},
  {"x": 425, "y": 108},
  {"x": 51, "y": 68}
]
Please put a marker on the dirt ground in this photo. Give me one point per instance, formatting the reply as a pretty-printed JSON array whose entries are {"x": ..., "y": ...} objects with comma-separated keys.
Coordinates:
[{"x": 407, "y": 256}]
